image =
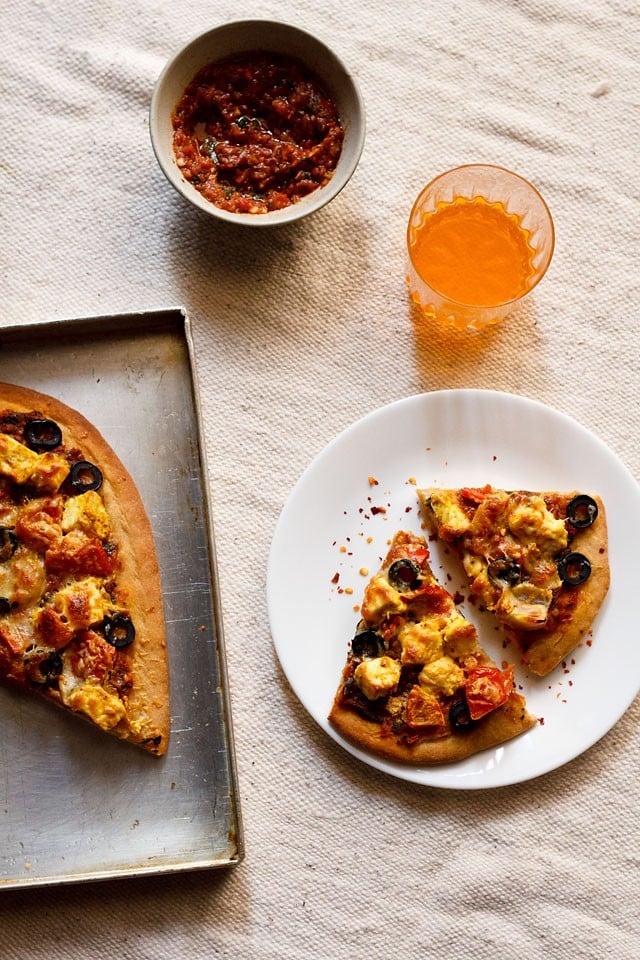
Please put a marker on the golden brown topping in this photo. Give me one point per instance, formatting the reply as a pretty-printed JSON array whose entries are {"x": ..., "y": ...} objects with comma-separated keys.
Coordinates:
[{"x": 423, "y": 709}]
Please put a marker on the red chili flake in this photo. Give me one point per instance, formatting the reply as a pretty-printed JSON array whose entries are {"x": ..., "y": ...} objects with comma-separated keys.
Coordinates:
[
  {"x": 458, "y": 598},
  {"x": 541, "y": 721},
  {"x": 373, "y": 482},
  {"x": 408, "y": 509},
  {"x": 335, "y": 578},
  {"x": 376, "y": 510}
]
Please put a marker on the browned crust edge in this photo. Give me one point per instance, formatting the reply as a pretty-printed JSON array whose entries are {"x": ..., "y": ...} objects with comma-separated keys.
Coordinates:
[
  {"x": 543, "y": 650},
  {"x": 140, "y": 576},
  {"x": 496, "y": 728}
]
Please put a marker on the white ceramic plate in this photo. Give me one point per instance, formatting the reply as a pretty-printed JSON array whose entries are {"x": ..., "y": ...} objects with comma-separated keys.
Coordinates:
[{"x": 452, "y": 438}]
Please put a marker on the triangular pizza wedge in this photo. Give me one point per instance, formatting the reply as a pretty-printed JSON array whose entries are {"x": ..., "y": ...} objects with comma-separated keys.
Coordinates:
[
  {"x": 537, "y": 560},
  {"x": 417, "y": 687},
  {"x": 81, "y": 616}
]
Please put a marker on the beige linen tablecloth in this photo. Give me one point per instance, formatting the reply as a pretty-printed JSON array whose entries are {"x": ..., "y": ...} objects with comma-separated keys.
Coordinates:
[{"x": 299, "y": 333}]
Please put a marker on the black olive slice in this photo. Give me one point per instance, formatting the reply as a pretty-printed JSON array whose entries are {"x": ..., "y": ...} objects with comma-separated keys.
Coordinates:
[
  {"x": 50, "y": 667},
  {"x": 85, "y": 476},
  {"x": 119, "y": 630},
  {"x": 403, "y": 574},
  {"x": 42, "y": 434},
  {"x": 367, "y": 644},
  {"x": 504, "y": 571},
  {"x": 8, "y": 544},
  {"x": 459, "y": 716},
  {"x": 5, "y": 605},
  {"x": 574, "y": 568},
  {"x": 582, "y": 511}
]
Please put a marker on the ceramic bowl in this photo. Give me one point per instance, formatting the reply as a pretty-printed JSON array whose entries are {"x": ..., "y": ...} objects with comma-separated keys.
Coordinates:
[{"x": 263, "y": 35}]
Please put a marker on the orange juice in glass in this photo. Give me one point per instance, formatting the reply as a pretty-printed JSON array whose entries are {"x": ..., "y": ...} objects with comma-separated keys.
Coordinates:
[{"x": 479, "y": 240}]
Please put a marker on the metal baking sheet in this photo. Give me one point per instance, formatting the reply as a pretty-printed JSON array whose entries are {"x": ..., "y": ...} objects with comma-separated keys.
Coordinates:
[{"x": 76, "y": 804}]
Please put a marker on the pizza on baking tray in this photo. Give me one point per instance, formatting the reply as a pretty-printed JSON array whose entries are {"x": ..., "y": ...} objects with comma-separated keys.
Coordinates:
[
  {"x": 537, "y": 561},
  {"x": 417, "y": 687},
  {"x": 81, "y": 621}
]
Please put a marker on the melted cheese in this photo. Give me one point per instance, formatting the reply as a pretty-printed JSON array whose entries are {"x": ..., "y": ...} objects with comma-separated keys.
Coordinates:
[
  {"x": 82, "y": 603},
  {"x": 474, "y": 566},
  {"x": 460, "y": 637},
  {"x": 50, "y": 472},
  {"x": 45, "y": 471},
  {"x": 22, "y": 579},
  {"x": 449, "y": 514},
  {"x": 380, "y": 599},
  {"x": 525, "y": 606},
  {"x": 87, "y": 513},
  {"x": 442, "y": 675},
  {"x": 16, "y": 461},
  {"x": 105, "y": 709},
  {"x": 529, "y": 519},
  {"x": 378, "y": 677},
  {"x": 422, "y": 642}
]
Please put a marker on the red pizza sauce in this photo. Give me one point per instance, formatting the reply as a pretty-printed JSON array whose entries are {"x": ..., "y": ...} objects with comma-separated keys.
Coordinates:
[{"x": 256, "y": 132}]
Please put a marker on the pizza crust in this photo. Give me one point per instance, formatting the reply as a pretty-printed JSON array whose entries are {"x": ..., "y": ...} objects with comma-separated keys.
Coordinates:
[
  {"x": 496, "y": 728},
  {"x": 139, "y": 578}
]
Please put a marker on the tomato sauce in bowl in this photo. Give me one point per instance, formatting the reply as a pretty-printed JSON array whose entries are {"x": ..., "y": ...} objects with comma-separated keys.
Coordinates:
[{"x": 256, "y": 132}]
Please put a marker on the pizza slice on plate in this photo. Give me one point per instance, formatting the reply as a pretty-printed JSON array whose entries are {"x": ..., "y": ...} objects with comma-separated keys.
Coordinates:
[
  {"x": 538, "y": 561},
  {"x": 81, "y": 619},
  {"x": 417, "y": 686}
]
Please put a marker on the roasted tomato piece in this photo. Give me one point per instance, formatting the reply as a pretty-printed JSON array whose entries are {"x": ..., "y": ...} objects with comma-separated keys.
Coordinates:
[
  {"x": 39, "y": 522},
  {"x": 487, "y": 688},
  {"x": 431, "y": 598},
  {"x": 409, "y": 547},
  {"x": 51, "y": 628},
  {"x": 11, "y": 657},
  {"x": 423, "y": 709},
  {"x": 77, "y": 553},
  {"x": 91, "y": 656},
  {"x": 417, "y": 554},
  {"x": 475, "y": 494}
]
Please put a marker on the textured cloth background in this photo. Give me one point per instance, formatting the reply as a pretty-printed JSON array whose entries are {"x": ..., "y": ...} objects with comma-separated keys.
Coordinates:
[{"x": 300, "y": 332}]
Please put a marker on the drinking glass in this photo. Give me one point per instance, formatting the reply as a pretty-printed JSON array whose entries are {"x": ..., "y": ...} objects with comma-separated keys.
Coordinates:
[{"x": 510, "y": 217}]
